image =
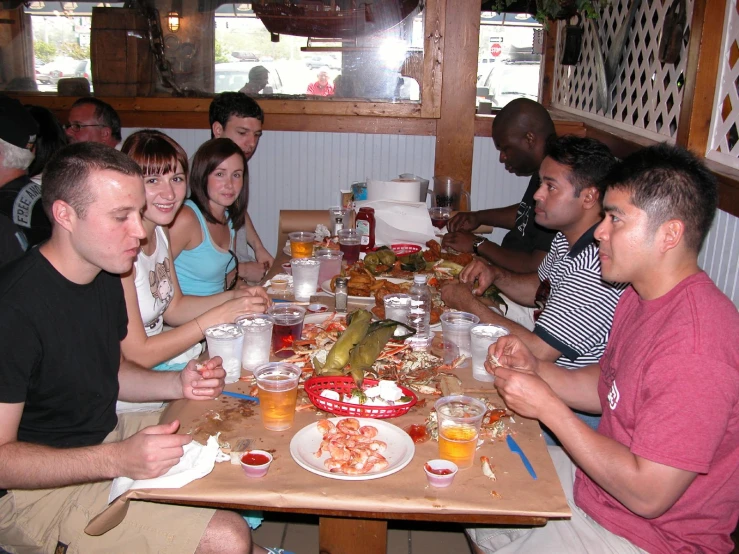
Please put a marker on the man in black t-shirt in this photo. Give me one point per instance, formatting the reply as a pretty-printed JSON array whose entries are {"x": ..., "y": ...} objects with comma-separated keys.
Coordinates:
[
  {"x": 62, "y": 372},
  {"x": 520, "y": 132},
  {"x": 20, "y": 198}
]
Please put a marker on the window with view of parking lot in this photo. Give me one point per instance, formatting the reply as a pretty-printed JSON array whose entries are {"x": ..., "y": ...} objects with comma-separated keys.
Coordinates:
[{"x": 509, "y": 59}]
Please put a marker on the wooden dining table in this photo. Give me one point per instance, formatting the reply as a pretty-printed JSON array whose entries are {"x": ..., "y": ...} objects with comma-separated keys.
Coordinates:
[{"x": 353, "y": 513}]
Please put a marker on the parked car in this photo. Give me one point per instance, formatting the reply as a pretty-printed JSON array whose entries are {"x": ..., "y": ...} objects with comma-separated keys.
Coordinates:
[
  {"x": 507, "y": 81},
  {"x": 64, "y": 67},
  {"x": 232, "y": 76},
  {"x": 317, "y": 62}
]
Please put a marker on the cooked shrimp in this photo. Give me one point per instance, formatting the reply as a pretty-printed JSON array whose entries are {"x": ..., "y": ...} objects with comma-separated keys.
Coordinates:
[
  {"x": 326, "y": 426},
  {"x": 368, "y": 432},
  {"x": 378, "y": 446},
  {"x": 348, "y": 426}
]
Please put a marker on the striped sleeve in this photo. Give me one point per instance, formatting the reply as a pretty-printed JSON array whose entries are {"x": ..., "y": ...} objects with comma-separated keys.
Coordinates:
[{"x": 579, "y": 312}]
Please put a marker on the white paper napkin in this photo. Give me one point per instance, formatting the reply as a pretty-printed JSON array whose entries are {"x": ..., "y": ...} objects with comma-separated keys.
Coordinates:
[
  {"x": 401, "y": 222},
  {"x": 197, "y": 461}
]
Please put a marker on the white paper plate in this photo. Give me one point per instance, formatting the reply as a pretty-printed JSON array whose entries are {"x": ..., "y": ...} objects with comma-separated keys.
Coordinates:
[
  {"x": 399, "y": 453},
  {"x": 326, "y": 287}
]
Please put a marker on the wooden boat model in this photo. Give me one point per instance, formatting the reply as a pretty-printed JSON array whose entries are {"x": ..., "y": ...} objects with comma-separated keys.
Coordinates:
[{"x": 345, "y": 19}]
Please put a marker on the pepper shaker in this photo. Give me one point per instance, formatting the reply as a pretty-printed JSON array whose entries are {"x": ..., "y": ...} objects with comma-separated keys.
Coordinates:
[{"x": 341, "y": 294}]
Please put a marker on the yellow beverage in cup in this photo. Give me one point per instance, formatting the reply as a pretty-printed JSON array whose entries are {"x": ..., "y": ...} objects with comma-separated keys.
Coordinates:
[
  {"x": 278, "y": 393},
  {"x": 301, "y": 249},
  {"x": 457, "y": 443},
  {"x": 459, "y": 419},
  {"x": 278, "y": 408},
  {"x": 301, "y": 244}
]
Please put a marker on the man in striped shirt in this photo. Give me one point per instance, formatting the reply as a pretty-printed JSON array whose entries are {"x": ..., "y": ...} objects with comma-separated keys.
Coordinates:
[{"x": 573, "y": 305}]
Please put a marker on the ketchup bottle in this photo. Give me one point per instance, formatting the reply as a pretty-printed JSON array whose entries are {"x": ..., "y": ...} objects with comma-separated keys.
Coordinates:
[{"x": 365, "y": 223}]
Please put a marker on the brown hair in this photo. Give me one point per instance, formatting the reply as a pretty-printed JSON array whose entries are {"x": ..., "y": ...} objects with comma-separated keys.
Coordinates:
[
  {"x": 155, "y": 152},
  {"x": 208, "y": 157},
  {"x": 67, "y": 173}
]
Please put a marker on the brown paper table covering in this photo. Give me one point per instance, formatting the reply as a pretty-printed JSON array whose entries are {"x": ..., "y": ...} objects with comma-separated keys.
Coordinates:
[{"x": 289, "y": 486}]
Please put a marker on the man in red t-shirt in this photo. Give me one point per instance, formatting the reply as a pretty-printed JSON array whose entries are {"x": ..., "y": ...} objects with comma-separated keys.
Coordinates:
[{"x": 661, "y": 473}]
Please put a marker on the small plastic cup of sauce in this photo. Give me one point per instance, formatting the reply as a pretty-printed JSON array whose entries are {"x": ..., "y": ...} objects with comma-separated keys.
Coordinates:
[
  {"x": 440, "y": 473},
  {"x": 255, "y": 463}
]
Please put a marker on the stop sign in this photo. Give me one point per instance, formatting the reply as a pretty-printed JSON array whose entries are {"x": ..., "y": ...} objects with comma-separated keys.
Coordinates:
[{"x": 496, "y": 49}]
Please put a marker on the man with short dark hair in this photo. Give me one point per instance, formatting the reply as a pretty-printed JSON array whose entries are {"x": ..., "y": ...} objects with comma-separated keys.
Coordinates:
[
  {"x": 22, "y": 219},
  {"x": 258, "y": 79},
  {"x": 660, "y": 473},
  {"x": 92, "y": 120},
  {"x": 235, "y": 116},
  {"x": 60, "y": 439},
  {"x": 574, "y": 306},
  {"x": 520, "y": 133}
]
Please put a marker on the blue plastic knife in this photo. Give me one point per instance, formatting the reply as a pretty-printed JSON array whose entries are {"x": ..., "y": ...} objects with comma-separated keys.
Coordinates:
[
  {"x": 240, "y": 396},
  {"x": 513, "y": 445}
]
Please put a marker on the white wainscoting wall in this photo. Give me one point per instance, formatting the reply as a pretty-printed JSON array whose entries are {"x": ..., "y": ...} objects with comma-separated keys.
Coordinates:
[{"x": 302, "y": 170}]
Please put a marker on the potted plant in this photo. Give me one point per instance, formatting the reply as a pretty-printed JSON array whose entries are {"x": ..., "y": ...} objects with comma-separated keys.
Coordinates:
[{"x": 545, "y": 10}]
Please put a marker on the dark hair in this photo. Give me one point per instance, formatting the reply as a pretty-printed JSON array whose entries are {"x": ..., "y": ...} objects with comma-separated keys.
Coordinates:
[
  {"x": 226, "y": 104},
  {"x": 50, "y": 139},
  {"x": 68, "y": 171},
  {"x": 208, "y": 157},
  {"x": 155, "y": 152},
  {"x": 589, "y": 161},
  {"x": 524, "y": 115},
  {"x": 105, "y": 114},
  {"x": 669, "y": 182}
]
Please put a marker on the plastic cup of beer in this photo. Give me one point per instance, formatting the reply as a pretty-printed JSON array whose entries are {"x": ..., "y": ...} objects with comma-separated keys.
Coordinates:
[
  {"x": 305, "y": 277},
  {"x": 257, "y": 330},
  {"x": 227, "y": 341},
  {"x": 350, "y": 244},
  {"x": 278, "y": 393},
  {"x": 287, "y": 328},
  {"x": 455, "y": 329},
  {"x": 482, "y": 337},
  {"x": 459, "y": 419},
  {"x": 330, "y": 264},
  {"x": 301, "y": 244}
]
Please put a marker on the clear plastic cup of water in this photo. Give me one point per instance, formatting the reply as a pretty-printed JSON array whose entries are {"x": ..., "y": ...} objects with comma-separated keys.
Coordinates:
[
  {"x": 455, "y": 329},
  {"x": 305, "y": 277},
  {"x": 257, "y": 330},
  {"x": 227, "y": 341},
  {"x": 482, "y": 337}
]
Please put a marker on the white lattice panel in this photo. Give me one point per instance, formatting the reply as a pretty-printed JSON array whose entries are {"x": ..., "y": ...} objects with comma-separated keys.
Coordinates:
[
  {"x": 646, "y": 94},
  {"x": 724, "y": 142}
]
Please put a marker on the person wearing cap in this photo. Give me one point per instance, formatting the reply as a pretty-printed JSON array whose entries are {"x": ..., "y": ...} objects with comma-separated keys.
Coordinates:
[
  {"x": 258, "y": 78},
  {"x": 92, "y": 120},
  {"x": 23, "y": 222},
  {"x": 321, "y": 87}
]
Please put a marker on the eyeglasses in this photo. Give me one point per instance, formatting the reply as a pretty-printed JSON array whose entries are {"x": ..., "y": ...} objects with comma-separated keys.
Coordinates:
[
  {"x": 77, "y": 126},
  {"x": 229, "y": 285}
]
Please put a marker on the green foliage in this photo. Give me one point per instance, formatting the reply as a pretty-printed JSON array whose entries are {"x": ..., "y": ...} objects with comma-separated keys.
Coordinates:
[
  {"x": 75, "y": 51},
  {"x": 552, "y": 9},
  {"x": 44, "y": 51},
  {"x": 221, "y": 55}
]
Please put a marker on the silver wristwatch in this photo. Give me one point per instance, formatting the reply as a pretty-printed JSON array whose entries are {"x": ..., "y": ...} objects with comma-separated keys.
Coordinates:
[{"x": 476, "y": 244}]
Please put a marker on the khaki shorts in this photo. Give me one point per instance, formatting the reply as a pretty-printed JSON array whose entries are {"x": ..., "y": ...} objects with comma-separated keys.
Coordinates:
[
  {"x": 578, "y": 535},
  {"x": 48, "y": 520}
]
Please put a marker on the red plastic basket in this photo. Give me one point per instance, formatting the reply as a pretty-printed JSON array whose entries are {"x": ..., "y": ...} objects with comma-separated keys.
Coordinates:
[
  {"x": 403, "y": 249},
  {"x": 316, "y": 385}
]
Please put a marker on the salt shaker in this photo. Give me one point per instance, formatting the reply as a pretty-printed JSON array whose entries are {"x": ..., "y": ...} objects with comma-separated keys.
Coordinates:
[{"x": 341, "y": 294}]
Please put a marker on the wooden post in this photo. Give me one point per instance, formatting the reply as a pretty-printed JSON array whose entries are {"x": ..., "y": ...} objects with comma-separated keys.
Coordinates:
[
  {"x": 546, "y": 86},
  {"x": 455, "y": 131},
  {"x": 701, "y": 74},
  {"x": 348, "y": 536}
]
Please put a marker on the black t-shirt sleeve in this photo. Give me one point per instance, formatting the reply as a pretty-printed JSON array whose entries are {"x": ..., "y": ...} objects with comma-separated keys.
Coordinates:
[
  {"x": 21, "y": 350},
  {"x": 122, "y": 313}
]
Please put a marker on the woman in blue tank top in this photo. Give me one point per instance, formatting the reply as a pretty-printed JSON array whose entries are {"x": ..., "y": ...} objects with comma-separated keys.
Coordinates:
[{"x": 202, "y": 234}]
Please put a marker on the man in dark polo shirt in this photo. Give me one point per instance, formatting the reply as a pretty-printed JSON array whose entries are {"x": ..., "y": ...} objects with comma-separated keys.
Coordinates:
[
  {"x": 23, "y": 222},
  {"x": 520, "y": 132}
]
